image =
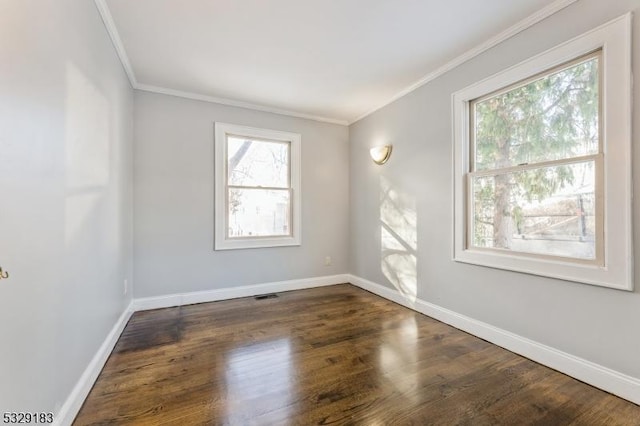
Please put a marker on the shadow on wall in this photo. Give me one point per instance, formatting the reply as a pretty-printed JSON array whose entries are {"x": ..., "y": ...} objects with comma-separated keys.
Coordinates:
[{"x": 398, "y": 238}]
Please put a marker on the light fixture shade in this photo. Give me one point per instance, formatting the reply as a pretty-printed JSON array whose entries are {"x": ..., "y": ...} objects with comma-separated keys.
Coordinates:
[{"x": 380, "y": 154}]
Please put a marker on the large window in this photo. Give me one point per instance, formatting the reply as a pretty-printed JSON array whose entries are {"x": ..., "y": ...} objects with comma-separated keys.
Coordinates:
[
  {"x": 542, "y": 163},
  {"x": 536, "y": 165},
  {"x": 257, "y": 187}
]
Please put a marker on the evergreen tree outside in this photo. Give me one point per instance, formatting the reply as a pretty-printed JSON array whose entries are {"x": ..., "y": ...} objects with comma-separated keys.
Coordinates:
[{"x": 554, "y": 117}]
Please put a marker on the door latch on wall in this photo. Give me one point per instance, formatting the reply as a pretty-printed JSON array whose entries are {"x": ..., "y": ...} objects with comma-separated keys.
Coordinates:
[{"x": 3, "y": 274}]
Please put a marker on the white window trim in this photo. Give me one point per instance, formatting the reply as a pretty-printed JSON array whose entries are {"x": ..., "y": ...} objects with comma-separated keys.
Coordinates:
[
  {"x": 220, "y": 198},
  {"x": 614, "y": 38}
]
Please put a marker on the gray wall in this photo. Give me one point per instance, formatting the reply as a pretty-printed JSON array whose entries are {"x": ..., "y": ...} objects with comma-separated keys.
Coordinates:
[
  {"x": 66, "y": 130},
  {"x": 598, "y": 324},
  {"x": 173, "y": 188}
]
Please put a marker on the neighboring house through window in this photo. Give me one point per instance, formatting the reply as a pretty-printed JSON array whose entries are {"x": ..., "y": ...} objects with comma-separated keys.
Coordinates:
[{"x": 257, "y": 200}]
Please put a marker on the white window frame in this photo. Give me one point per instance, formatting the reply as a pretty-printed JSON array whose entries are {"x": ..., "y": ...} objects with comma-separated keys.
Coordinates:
[
  {"x": 222, "y": 241},
  {"x": 615, "y": 270}
]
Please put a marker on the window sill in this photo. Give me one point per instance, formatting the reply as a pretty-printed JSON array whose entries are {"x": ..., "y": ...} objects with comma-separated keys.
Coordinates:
[
  {"x": 249, "y": 243},
  {"x": 585, "y": 273}
]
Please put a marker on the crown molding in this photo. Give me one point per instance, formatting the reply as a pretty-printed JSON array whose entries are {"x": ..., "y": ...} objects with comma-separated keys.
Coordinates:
[
  {"x": 527, "y": 22},
  {"x": 234, "y": 103},
  {"x": 107, "y": 19},
  {"x": 112, "y": 30}
]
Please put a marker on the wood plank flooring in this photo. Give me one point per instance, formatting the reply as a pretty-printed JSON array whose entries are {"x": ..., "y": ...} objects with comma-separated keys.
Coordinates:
[{"x": 335, "y": 355}]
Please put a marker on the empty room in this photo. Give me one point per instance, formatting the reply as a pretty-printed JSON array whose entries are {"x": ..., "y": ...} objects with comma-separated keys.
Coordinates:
[{"x": 245, "y": 212}]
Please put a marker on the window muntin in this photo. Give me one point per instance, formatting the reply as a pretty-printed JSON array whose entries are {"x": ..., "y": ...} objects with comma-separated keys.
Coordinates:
[
  {"x": 527, "y": 194},
  {"x": 257, "y": 196}
]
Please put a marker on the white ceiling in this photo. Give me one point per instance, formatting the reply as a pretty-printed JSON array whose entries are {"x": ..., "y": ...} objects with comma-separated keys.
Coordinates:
[{"x": 337, "y": 59}]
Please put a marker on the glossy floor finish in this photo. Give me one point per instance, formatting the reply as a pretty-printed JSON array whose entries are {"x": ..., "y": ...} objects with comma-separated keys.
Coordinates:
[{"x": 332, "y": 355}]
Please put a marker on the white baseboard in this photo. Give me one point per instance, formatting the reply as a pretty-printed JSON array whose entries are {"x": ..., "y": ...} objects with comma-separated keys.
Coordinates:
[
  {"x": 624, "y": 386},
  {"x": 74, "y": 401},
  {"x": 612, "y": 381},
  {"x": 179, "y": 299}
]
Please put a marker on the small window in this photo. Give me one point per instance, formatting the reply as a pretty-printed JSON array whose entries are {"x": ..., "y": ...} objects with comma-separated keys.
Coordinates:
[
  {"x": 543, "y": 163},
  {"x": 257, "y": 187}
]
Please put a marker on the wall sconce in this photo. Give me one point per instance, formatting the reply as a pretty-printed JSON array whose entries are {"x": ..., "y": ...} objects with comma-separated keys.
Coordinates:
[{"x": 380, "y": 154}]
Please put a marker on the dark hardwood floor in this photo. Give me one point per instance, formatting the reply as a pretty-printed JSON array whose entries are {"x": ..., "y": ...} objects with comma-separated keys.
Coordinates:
[{"x": 332, "y": 355}]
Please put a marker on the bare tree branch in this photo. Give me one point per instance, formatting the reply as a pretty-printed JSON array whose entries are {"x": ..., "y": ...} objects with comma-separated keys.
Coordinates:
[{"x": 237, "y": 157}]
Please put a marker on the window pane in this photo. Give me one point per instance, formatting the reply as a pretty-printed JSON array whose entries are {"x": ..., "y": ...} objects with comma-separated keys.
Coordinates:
[
  {"x": 549, "y": 210},
  {"x": 259, "y": 212},
  {"x": 257, "y": 163},
  {"x": 551, "y": 118}
]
